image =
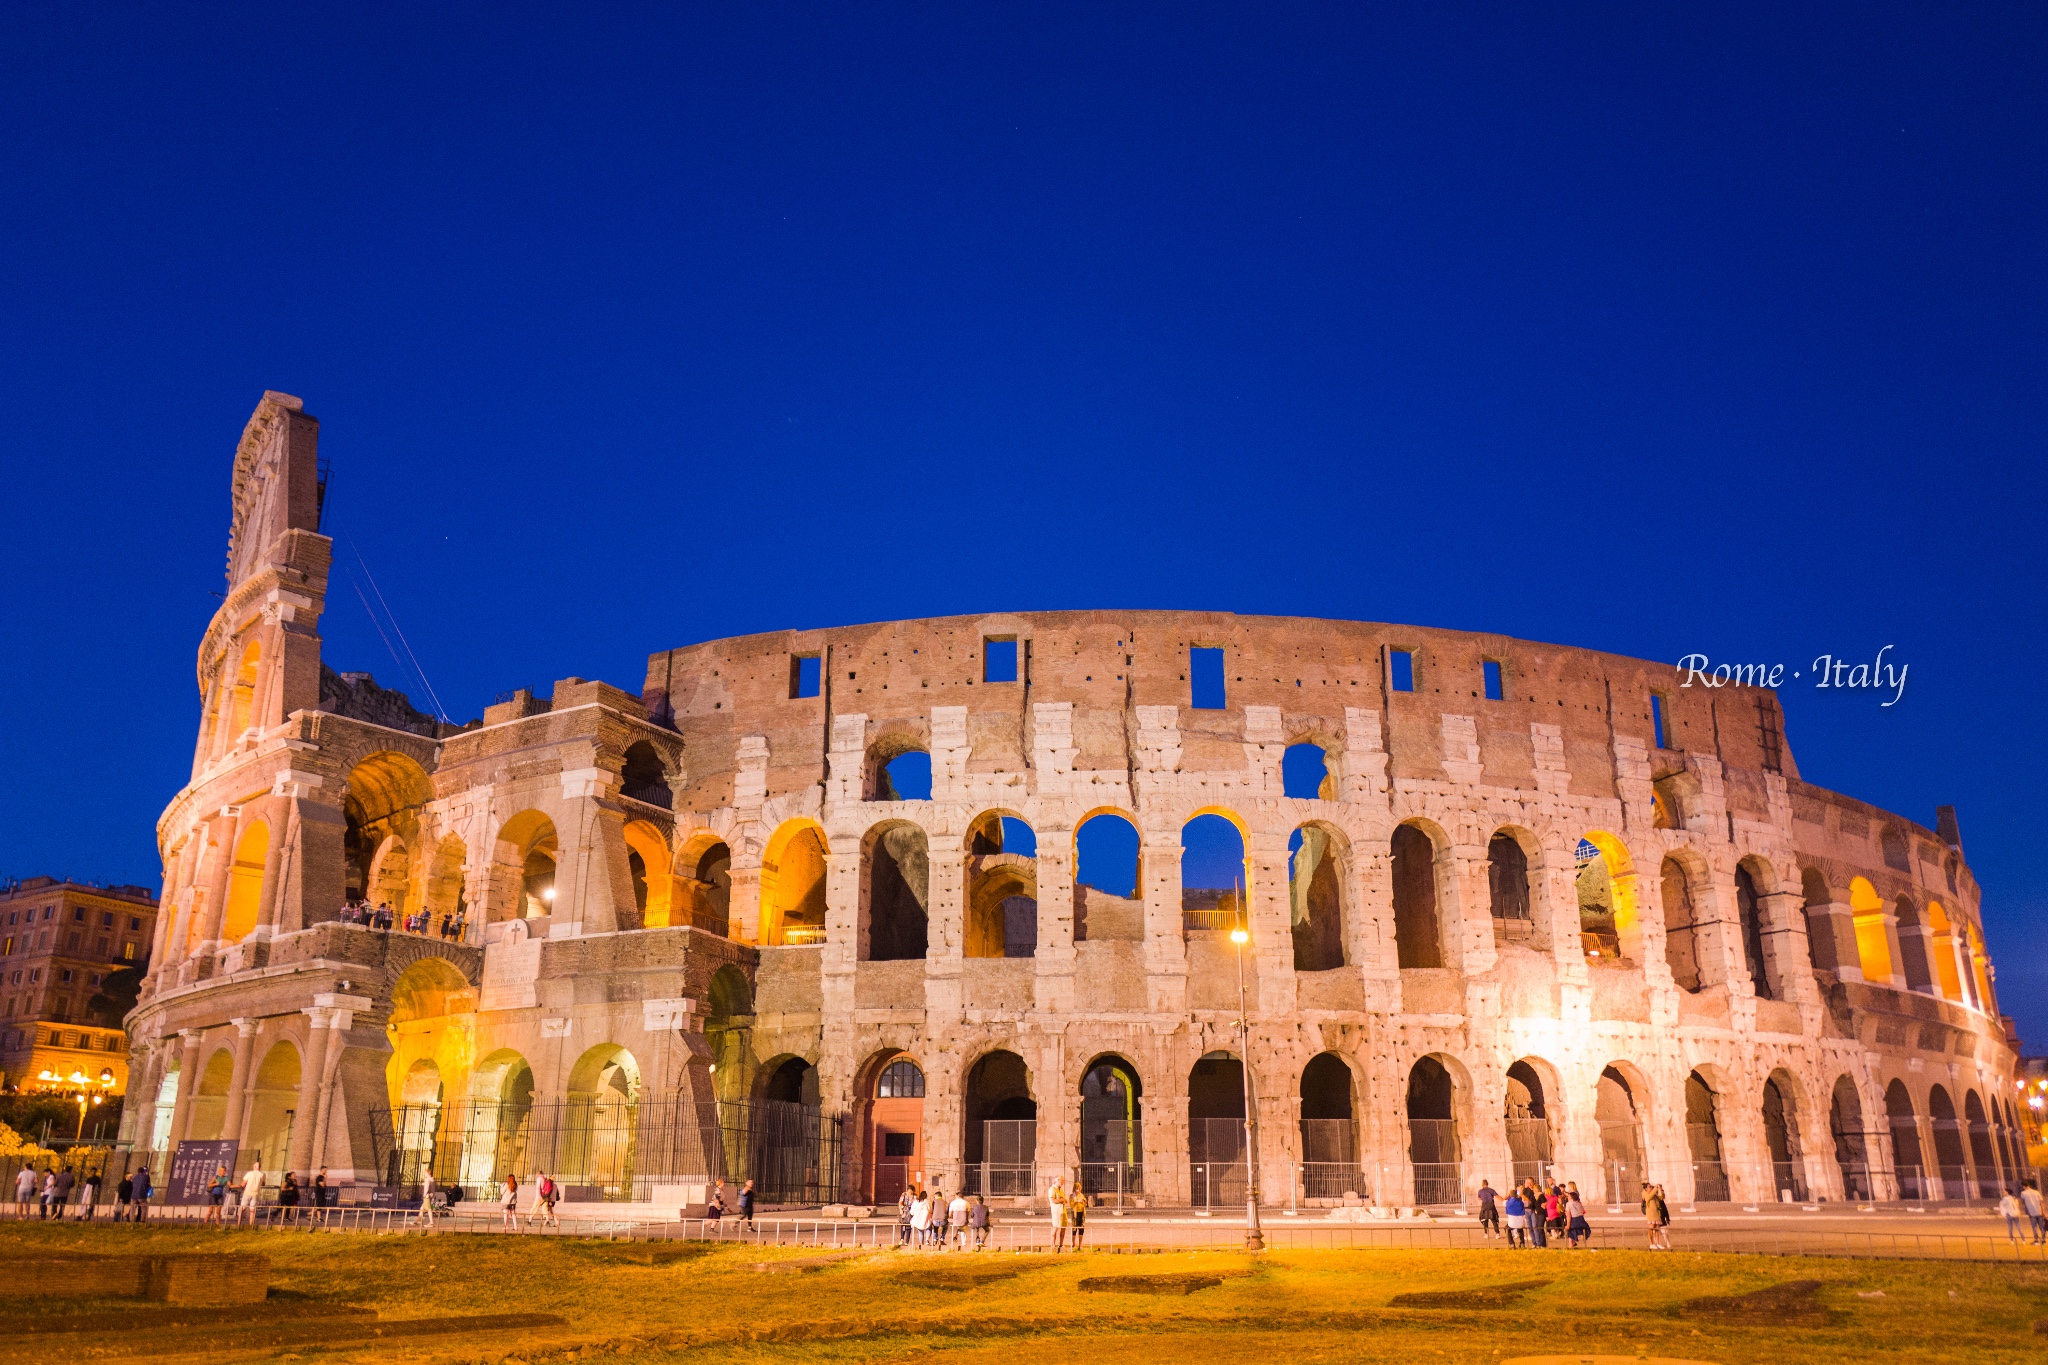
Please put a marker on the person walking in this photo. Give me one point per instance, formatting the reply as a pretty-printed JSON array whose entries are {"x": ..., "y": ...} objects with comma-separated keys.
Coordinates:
[
  {"x": 1539, "y": 1231},
  {"x": 427, "y": 1198},
  {"x": 1489, "y": 1212},
  {"x": 550, "y": 1195},
  {"x": 288, "y": 1197},
  {"x": 747, "y": 1204},
  {"x": 49, "y": 1190},
  {"x": 2030, "y": 1203},
  {"x": 89, "y": 1197},
  {"x": 956, "y": 1221},
  {"x": 124, "y": 1197},
  {"x": 2009, "y": 1209},
  {"x": 216, "y": 1195},
  {"x": 905, "y": 1205},
  {"x": 1056, "y": 1205},
  {"x": 24, "y": 1190},
  {"x": 977, "y": 1218},
  {"x": 252, "y": 1190},
  {"x": 66, "y": 1181},
  {"x": 1576, "y": 1228},
  {"x": 1518, "y": 1220},
  {"x": 920, "y": 1218},
  {"x": 143, "y": 1189},
  {"x": 320, "y": 1196}
]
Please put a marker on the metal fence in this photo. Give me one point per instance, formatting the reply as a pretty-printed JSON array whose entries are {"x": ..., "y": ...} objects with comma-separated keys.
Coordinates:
[{"x": 1218, "y": 1173}]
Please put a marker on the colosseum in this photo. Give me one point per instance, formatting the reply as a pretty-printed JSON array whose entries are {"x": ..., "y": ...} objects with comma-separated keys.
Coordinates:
[{"x": 976, "y": 900}]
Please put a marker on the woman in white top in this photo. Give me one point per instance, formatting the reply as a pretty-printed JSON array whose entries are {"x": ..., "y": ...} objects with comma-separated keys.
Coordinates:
[
  {"x": 956, "y": 1219},
  {"x": 920, "y": 1218},
  {"x": 511, "y": 1193}
]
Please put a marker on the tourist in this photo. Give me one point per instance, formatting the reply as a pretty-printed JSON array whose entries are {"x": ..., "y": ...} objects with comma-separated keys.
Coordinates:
[
  {"x": 124, "y": 1196},
  {"x": 252, "y": 1190},
  {"x": 1539, "y": 1231},
  {"x": 427, "y": 1198},
  {"x": 143, "y": 1189},
  {"x": 24, "y": 1190},
  {"x": 288, "y": 1197},
  {"x": 1077, "y": 1213},
  {"x": 543, "y": 1209},
  {"x": 62, "y": 1191},
  {"x": 216, "y": 1195},
  {"x": 714, "y": 1207},
  {"x": 1489, "y": 1212},
  {"x": 1518, "y": 1220},
  {"x": 510, "y": 1193},
  {"x": 1660, "y": 1218},
  {"x": 1553, "y": 1209},
  {"x": 320, "y": 1196},
  {"x": 2030, "y": 1201},
  {"x": 747, "y": 1204},
  {"x": 1056, "y": 1205},
  {"x": 2009, "y": 1209},
  {"x": 89, "y": 1197},
  {"x": 956, "y": 1219},
  {"x": 1577, "y": 1229},
  {"x": 904, "y": 1203},
  {"x": 936, "y": 1233},
  {"x": 920, "y": 1219},
  {"x": 977, "y": 1218}
]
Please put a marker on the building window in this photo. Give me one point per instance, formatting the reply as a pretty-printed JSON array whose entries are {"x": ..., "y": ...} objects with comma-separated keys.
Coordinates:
[
  {"x": 1657, "y": 719},
  {"x": 1401, "y": 669},
  {"x": 65, "y": 976},
  {"x": 999, "y": 659},
  {"x": 901, "y": 1081},
  {"x": 95, "y": 979},
  {"x": 35, "y": 974},
  {"x": 104, "y": 948},
  {"x": 107, "y": 920},
  {"x": 49, "y": 910},
  {"x": 7, "y": 946},
  {"x": 806, "y": 675},
  {"x": 74, "y": 940},
  {"x": 1491, "y": 670},
  {"x": 134, "y": 924},
  {"x": 78, "y": 914},
  {"x": 128, "y": 951},
  {"x": 1205, "y": 679}
]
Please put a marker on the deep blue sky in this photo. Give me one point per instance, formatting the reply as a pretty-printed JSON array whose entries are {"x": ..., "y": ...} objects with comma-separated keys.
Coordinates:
[{"x": 1651, "y": 328}]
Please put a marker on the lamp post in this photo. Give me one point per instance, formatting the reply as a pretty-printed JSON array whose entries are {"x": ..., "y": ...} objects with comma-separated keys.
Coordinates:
[{"x": 1254, "y": 1236}]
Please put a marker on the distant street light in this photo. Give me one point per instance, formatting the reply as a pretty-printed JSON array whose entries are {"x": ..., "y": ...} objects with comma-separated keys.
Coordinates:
[{"x": 1254, "y": 1236}]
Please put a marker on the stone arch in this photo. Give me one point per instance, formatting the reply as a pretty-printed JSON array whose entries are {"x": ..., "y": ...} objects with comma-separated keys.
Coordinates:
[
  {"x": 1781, "y": 1109},
  {"x": 1703, "y": 1139},
  {"x": 1306, "y": 772},
  {"x": 1329, "y": 1127},
  {"x": 447, "y": 896},
  {"x": 1108, "y": 877},
  {"x": 1620, "y": 1106},
  {"x": 645, "y": 776},
  {"x": 650, "y": 866},
  {"x": 1435, "y": 1155},
  {"x": 1816, "y": 897},
  {"x": 703, "y": 869},
  {"x": 1909, "y": 1163},
  {"x": 209, "y": 1116},
  {"x": 1752, "y": 884},
  {"x": 1989, "y": 1186},
  {"x": 1873, "y": 944},
  {"x": 433, "y": 1006},
  {"x": 500, "y": 1120},
  {"x": 895, "y": 892},
  {"x": 390, "y": 874},
  {"x": 1952, "y": 1164},
  {"x": 1112, "y": 1127},
  {"x": 1217, "y": 1167},
  {"x": 890, "y": 1086},
  {"x": 1941, "y": 941},
  {"x": 1418, "y": 930},
  {"x": 1851, "y": 1139},
  {"x": 597, "y": 1146},
  {"x": 273, "y": 1102},
  {"x": 384, "y": 795},
  {"x": 1912, "y": 947},
  {"x": 1680, "y": 880},
  {"x": 1002, "y": 886},
  {"x": 1511, "y": 855},
  {"x": 884, "y": 778},
  {"x": 1318, "y": 871},
  {"x": 788, "y": 1079},
  {"x": 1218, "y": 836},
  {"x": 245, "y": 882},
  {"x": 793, "y": 884},
  {"x": 523, "y": 867},
  {"x": 1531, "y": 1118},
  {"x": 999, "y": 1125},
  {"x": 1610, "y": 929}
]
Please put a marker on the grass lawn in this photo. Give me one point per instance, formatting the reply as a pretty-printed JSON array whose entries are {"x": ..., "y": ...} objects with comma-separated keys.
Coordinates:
[{"x": 1280, "y": 1309}]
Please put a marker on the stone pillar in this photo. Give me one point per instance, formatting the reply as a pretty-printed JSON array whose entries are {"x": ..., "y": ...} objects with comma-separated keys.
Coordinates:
[
  {"x": 1467, "y": 912},
  {"x": 188, "y": 1083},
  {"x": 1165, "y": 1123},
  {"x": 945, "y": 935},
  {"x": 1272, "y": 927},
  {"x": 312, "y": 1074},
  {"x": 238, "y": 1082},
  {"x": 283, "y": 833},
  {"x": 210, "y": 899},
  {"x": 1053, "y": 988},
  {"x": 341, "y": 1017},
  {"x": 1165, "y": 949},
  {"x": 744, "y": 907}
]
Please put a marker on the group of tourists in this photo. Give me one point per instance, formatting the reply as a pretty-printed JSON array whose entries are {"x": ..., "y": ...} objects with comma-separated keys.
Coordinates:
[
  {"x": 719, "y": 1203},
  {"x": 1535, "y": 1212},
  {"x": 382, "y": 916},
  {"x": 926, "y": 1218},
  {"x": 51, "y": 1191},
  {"x": 248, "y": 1192},
  {"x": 546, "y": 1194},
  {"x": 1069, "y": 1210},
  {"x": 2024, "y": 1203}
]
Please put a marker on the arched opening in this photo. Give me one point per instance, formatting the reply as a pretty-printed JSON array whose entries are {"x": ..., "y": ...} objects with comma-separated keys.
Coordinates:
[
  {"x": 1893, "y": 846},
  {"x": 1681, "y": 925},
  {"x": 1749, "y": 911},
  {"x": 793, "y": 885},
  {"x": 728, "y": 1019},
  {"x": 1212, "y": 874},
  {"x": 705, "y": 892},
  {"x": 1217, "y": 1172},
  {"x": 1530, "y": 1147},
  {"x": 500, "y": 1122},
  {"x": 1942, "y": 940},
  {"x": 1908, "y": 1165},
  {"x": 523, "y": 867},
  {"x": 780, "y": 1144},
  {"x": 1002, "y": 888},
  {"x": 648, "y": 863},
  {"x": 447, "y": 900},
  {"x": 244, "y": 696},
  {"x": 1620, "y": 1118},
  {"x": 1852, "y": 1143},
  {"x": 1606, "y": 892},
  {"x": 386, "y": 793},
  {"x": 1981, "y": 1155},
  {"x": 1305, "y": 773},
  {"x": 430, "y": 1032},
  {"x": 208, "y": 1119},
  {"x": 245, "y": 883},
  {"x": 1949, "y": 1159},
  {"x": 1912, "y": 947},
  {"x": 895, "y": 1128},
  {"x": 1873, "y": 944},
  {"x": 390, "y": 877},
  {"x": 1781, "y": 1139},
  {"x": 599, "y": 1126},
  {"x": 1820, "y": 925},
  {"x": 645, "y": 777},
  {"x": 1507, "y": 888},
  {"x": 1417, "y": 940},
  {"x": 1001, "y": 1127},
  {"x": 1433, "y": 1134},
  {"x": 897, "y": 768},
  {"x": 1703, "y": 1140},
  {"x": 1329, "y": 1134},
  {"x": 895, "y": 888},
  {"x": 273, "y": 1103},
  {"x": 1112, "y": 1130},
  {"x": 1316, "y": 898},
  {"x": 1107, "y": 906},
  {"x": 417, "y": 1129}
]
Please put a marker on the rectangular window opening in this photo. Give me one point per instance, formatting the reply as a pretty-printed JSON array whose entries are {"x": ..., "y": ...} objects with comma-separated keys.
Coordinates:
[
  {"x": 999, "y": 659},
  {"x": 1657, "y": 720},
  {"x": 806, "y": 675},
  {"x": 1401, "y": 669},
  {"x": 1205, "y": 679},
  {"x": 1494, "y": 690}
]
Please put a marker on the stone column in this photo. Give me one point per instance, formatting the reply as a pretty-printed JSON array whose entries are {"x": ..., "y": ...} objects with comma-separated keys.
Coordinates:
[
  {"x": 1165, "y": 948},
  {"x": 283, "y": 833},
  {"x": 238, "y": 1081},
  {"x": 312, "y": 1072},
  {"x": 945, "y": 934},
  {"x": 341, "y": 1017},
  {"x": 1467, "y": 916},
  {"x": 1053, "y": 989},
  {"x": 1270, "y": 985},
  {"x": 188, "y": 1083}
]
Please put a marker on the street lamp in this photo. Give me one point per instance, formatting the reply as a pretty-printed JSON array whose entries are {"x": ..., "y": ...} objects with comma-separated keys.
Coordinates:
[{"x": 1254, "y": 1237}]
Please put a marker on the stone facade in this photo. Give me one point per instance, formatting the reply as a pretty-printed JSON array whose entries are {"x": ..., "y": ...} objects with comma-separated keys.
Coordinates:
[{"x": 1602, "y": 902}]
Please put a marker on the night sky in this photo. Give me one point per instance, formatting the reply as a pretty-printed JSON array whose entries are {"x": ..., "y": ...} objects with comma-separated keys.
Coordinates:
[{"x": 1655, "y": 329}]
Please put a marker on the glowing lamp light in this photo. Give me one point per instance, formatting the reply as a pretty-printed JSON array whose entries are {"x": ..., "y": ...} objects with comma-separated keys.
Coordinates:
[
  {"x": 1240, "y": 937},
  {"x": 548, "y": 894}
]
